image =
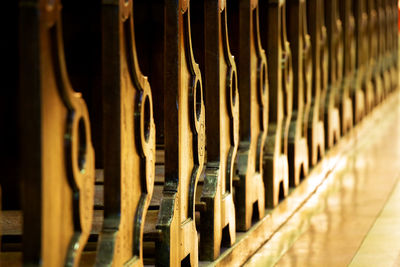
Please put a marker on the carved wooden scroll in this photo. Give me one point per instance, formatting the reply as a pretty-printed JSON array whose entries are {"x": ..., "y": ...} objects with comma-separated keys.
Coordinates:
[
  {"x": 253, "y": 89},
  {"x": 184, "y": 131},
  {"x": 335, "y": 62},
  {"x": 222, "y": 125},
  {"x": 57, "y": 160},
  {"x": 300, "y": 42},
  {"x": 315, "y": 132},
  {"x": 129, "y": 140},
  {"x": 273, "y": 36},
  {"x": 349, "y": 64}
]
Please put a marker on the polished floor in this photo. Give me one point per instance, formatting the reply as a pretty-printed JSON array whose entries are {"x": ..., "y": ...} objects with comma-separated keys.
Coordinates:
[{"x": 353, "y": 218}]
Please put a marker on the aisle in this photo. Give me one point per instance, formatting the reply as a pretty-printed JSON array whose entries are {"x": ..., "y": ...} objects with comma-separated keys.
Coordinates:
[{"x": 354, "y": 216}]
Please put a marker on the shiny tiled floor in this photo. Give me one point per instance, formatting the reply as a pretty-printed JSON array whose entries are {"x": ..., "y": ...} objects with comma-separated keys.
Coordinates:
[{"x": 354, "y": 217}]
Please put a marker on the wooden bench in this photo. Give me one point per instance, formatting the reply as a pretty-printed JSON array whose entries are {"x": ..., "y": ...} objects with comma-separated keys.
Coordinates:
[
  {"x": 273, "y": 38},
  {"x": 349, "y": 65},
  {"x": 57, "y": 163},
  {"x": 244, "y": 36},
  {"x": 316, "y": 132},
  {"x": 217, "y": 208},
  {"x": 300, "y": 42}
]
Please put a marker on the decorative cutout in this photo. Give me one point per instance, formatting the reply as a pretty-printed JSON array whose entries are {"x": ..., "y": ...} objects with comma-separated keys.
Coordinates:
[
  {"x": 273, "y": 34},
  {"x": 184, "y": 141},
  {"x": 222, "y": 126},
  {"x": 129, "y": 134},
  {"x": 60, "y": 181}
]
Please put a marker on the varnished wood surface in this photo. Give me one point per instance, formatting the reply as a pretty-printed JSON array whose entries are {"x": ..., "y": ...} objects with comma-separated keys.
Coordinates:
[
  {"x": 217, "y": 220},
  {"x": 136, "y": 132},
  {"x": 280, "y": 85},
  {"x": 244, "y": 37}
]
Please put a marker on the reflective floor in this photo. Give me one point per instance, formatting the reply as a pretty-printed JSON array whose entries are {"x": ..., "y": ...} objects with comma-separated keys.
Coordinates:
[{"x": 354, "y": 216}]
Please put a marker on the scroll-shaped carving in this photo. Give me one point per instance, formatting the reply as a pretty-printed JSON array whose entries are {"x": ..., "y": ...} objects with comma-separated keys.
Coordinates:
[
  {"x": 373, "y": 40},
  {"x": 315, "y": 121},
  {"x": 129, "y": 140},
  {"x": 349, "y": 64},
  {"x": 184, "y": 131},
  {"x": 58, "y": 161},
  {"x": 222, "y": 125},
  {"x": 244, "y": 34},
  {"x": 300, "y": 42},
  {"x": 273, "y": 35},
  {"x": 335, "y": 47}
]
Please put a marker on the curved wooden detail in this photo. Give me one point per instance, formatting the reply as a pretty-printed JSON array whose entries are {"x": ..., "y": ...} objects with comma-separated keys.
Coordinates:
[
  {"x": 335, "y": 62},
  {"x": 184, "y": 141},
  {"x": 222, "y": 125},
  {"x": 302, "y": 76},
  {"x": 129, "y": 140},
  {"x": 315, "y": 129},
  {"x": 273, "y": 35},
  {"x": 58, "y": 160},
  {"x": 253, "y": 88}
]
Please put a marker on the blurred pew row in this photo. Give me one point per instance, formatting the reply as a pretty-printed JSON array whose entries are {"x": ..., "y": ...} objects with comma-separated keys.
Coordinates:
[{"x": 150, "y": 132}]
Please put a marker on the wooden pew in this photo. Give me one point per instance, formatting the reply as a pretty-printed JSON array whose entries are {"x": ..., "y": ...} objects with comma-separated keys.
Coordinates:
[
  {"x": 315, "y": 128},
  {"x": 300, "y": 42},
  {"x": 373, "y": 40},
  {"x": 244, "y": 36},
  {"x": 273, "y": 38},
  {"x": 182, "y": 140},
  {"x": 114, "y": 86},
  {"x": 334, "y": 41},
  {"x": 129, "y": 140},
  {"x": 352, "y": 60},
  {"x": 217, "y": 218},
  {"x": 392, "y": 38},
  {"x": 339, "y": 95},
  {"x": 362, "y": 90},
  {"x": 382, "y": 47},
  {"x": 57, "y": 163}
]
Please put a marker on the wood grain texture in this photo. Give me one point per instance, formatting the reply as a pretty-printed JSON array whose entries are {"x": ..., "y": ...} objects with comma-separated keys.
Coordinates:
[
  {"x": 273, "y": 37},
  {"x": 211, "y": 47},
  {"x": 129, "y": 140},
  {"x": 57, "y": 161},
  {"x": 244, "y": 34},
  {"x": 300, "y": 42},
  {"x": 184, "y": 132}
]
